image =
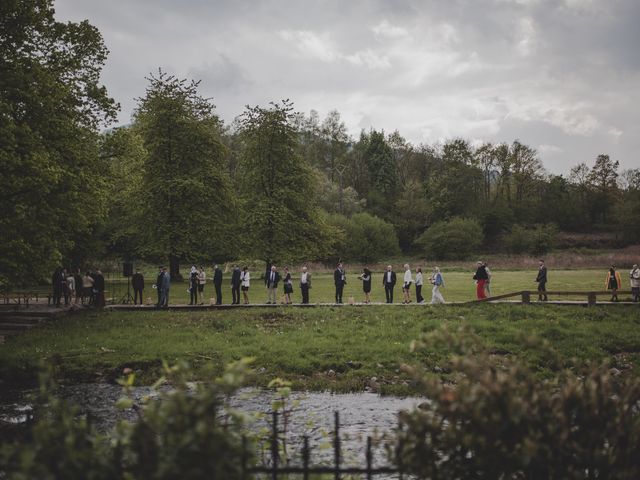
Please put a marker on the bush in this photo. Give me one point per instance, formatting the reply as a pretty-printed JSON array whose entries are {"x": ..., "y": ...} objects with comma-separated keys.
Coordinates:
[
  {"x": 454, "y": 240},
  {"x": 501, "y": 421},
  {"x": 366, "y": 238},
  {"x": 537, "y": 240}
]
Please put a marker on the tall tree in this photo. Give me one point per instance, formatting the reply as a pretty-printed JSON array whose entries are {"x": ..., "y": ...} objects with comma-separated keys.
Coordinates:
[
  {"x": 189, "y": 206},
  {"x": 603, "y": 178},
  {"x": 51, "y": 106},
  {"x": 380, "y": 163},
  {"x": 280, "y": 218}
]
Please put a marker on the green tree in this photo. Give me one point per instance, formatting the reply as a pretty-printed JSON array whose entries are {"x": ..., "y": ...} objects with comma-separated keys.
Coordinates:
[
  {"x": 366, "y": 238},
  {"x": 603, "y": 179},
  {"x": 189, "y": 207},
  {"x": 453, "y": 240},
  {"x": 380, "y": 163},
  {"x": 51, "y": 106},
  {"x": 281, "y": 220}
]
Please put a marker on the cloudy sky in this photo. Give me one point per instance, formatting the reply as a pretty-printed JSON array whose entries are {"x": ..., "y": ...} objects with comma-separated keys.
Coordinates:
[{"x": 560, "y": 75}]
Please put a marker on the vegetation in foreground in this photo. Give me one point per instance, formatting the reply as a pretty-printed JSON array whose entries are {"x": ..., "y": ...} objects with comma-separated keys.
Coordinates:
[{"x": 337, "y": 349}]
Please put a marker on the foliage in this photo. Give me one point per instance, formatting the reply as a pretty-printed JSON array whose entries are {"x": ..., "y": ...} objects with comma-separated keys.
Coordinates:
[
  {"x": 186, "y": 195},
  {"x": 279, "y": 216},
  {"x": 500, "y": 421},
  {"x": 51, "y": 105},
  {"x": 366, "y": 238},
  {"x": 537, "y": 240},
  {"x": 456, "y": 239}
]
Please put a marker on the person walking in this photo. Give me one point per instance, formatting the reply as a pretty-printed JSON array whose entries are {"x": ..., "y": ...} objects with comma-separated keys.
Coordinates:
[
  {"x": 419, "y": 282},
  {"x": 389, "y": 282},
  {"x": 272, "y": 280},
  {"x": 365, "y": 276},
  {"x": 137, "y": 282},
  {"x": 288, "y": 286},
  {"x": 159, "y": 286},
  {"x": 193, "y": 286},
  {"x": 406, "y": 285},
  {"x": 481, "y": 279},
  {"x": 305, "y": 285},
  {"x": 217, "y": 283},
  {"x": 438, "y": 282},
  {"x": 487, "y": 285},
  {"x": 236, "y": 283},
  {"x": 98, "y": 286},
  {"x": 245, "y": 280},
  {"x": 634, "y": 280},
  {"x": 202, "y": 280},
  {"x": 613, "y": 283},
  {"x": 339, "y": 280},
  {"x": 542, "y": 281},
  {"x": 87, "y": 288},
  {"x": 165, "y": 285}
]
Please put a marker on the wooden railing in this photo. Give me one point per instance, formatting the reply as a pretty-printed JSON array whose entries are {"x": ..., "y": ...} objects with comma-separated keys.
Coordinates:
[{"x": 526, "y": 295}]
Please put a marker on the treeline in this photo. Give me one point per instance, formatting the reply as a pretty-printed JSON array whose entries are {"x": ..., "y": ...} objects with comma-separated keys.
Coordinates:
[{"x": 178, "y": 184}]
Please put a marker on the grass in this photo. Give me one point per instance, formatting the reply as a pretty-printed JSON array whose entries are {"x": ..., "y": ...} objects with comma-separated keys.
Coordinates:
[{"x": 328, "y": 348}]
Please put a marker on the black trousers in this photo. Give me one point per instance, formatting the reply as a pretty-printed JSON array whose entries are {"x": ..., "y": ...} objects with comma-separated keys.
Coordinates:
[
  {"x": 339, "y": 289},
  {"x": 194, "y": 295},
  {"x": 542, "y": 290},
  {"x": 235, "y": 293},
  {"x": 135, "y": 296},
  {"x": 419, "y": 293},
  {"x": 218, "y": 294},
  {"x": 304, "y": 288},
  {"x": 388, "y": 291}
]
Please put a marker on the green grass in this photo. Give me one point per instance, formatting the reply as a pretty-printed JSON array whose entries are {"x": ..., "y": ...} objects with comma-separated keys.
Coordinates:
[
  {"x": 302, "y": 345},
  {"x": 460, "y": 286}
]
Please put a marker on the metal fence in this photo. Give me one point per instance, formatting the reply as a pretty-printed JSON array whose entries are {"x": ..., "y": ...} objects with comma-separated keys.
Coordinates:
[{"x": 304, "y": 469}]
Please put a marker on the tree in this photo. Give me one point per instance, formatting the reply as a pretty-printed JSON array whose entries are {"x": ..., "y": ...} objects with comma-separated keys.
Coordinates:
[
  {"x": 51, "y": 106},
  {"x": 189, "y": 206},
  {"x": 381, "y": 165},
  {"x": 456, "y": 239},
  {"x": 366, "y": 238},
  {"x": 280, "y": 218},
  {"x": 603, "y": 178}
]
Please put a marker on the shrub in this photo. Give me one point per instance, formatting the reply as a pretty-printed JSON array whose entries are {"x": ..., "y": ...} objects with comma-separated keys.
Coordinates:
[
  {"x": 366, "y": 238},
  {"x": 501, "y": 421},
  {"x": 453, "y": 240},
  {"x": 537, "y": 240}
]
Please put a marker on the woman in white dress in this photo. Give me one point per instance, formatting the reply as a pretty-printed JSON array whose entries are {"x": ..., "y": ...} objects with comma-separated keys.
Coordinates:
[
  {"x": 245, "y": 278},
  {"x": 438, "y": 281}
]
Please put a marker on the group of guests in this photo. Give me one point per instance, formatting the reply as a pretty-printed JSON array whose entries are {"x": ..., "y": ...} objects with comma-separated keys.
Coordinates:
[{"x": 75, "y": 288}]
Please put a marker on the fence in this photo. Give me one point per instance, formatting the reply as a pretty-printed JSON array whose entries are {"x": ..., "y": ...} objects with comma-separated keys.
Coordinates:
[
  {"x": 276, "y": 469},
  {"x": 525, "y": 295}
]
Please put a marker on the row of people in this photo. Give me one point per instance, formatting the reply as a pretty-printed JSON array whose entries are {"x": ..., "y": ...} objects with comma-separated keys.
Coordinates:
[{"x": 76, "y": 288}]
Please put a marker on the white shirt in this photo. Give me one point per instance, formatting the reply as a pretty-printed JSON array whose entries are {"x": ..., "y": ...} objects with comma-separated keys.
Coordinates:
[
  {"x": 245, "y": 278},
  {"x": 388, "y": 277},
  {"x": 303, "y": 278},
  {"x": 419, "y": 278},
  {"x": 202, "y": 278},
  {"x": 407, "y": 277}
]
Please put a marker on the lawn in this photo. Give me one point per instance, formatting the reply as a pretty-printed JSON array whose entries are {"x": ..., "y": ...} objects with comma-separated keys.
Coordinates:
[{"x": 328, "y": 348}]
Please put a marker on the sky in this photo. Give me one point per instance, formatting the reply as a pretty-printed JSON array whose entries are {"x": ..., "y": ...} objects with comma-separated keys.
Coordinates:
[{"x": 562, "y": 76}]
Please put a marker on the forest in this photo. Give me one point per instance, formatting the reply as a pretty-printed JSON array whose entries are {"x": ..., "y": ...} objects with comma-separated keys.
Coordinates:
[{"x": 177, "y": 184}]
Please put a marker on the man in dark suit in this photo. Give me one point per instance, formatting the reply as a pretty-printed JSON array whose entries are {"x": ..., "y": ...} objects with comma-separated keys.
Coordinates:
[
  {"x": 340, "y": 280},
  {"x": 236, "y": 281},
  {"x": 542, "y": 282},
  {"x": 389, "y": 282},
  {"x": 159, "y": 286},
  {"x": 99, "y": 287},
  {"x": 272, "y": 279},
  {"x": 217, "y": 283},
  {"x": 137, "y": 282}
]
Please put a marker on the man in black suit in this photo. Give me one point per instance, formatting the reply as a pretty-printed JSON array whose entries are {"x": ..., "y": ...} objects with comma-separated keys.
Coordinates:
[
  {"x": 340, "y": 280},
  {"x": 137, "y": 282},
  {"x": 272, "y": 279},
  {"x": 217, "y": 283},
  {"x": 389, "y": 281},
  {"x": 236, "y": 281}
]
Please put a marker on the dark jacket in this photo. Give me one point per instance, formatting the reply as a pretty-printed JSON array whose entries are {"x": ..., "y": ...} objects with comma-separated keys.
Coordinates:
[
  {"x": 236, "y": 279},
  {"x": 217, "y": 277},
  {"x": 99, "y": 282},
  {"x": 542, "y": 275},
  {"x": 393, "y": 279},
  {"x": 481, "y": 273},
  {"x": 337, "y": 277},
  {"x": 137, "y": 281},
  {"x": 275, "y": 280}
]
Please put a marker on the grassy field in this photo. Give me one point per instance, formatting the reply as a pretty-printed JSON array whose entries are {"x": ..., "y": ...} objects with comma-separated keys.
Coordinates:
[
  {"x": 460, "y": 286},
  {"x": 324, "y": 348}
]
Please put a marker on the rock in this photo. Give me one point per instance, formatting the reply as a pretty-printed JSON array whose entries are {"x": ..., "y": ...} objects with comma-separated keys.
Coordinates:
[
  {"x": 423, "y": 406},
  {"x": 379, "y": 365},
  {"x": 615, "y": 372},
  {"x": 373, "y": 379},
  {"x": 331, "y": 373},
  {"x": 262, "y": 370},
  {"x": 437, "y": 369}
]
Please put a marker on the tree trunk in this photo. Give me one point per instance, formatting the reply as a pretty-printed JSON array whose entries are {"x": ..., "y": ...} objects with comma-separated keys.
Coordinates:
[{"x": 174, "y": 268}]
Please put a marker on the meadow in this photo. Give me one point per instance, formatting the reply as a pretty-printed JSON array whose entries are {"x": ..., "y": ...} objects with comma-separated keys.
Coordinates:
[{"x": 328, "y": 348}]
